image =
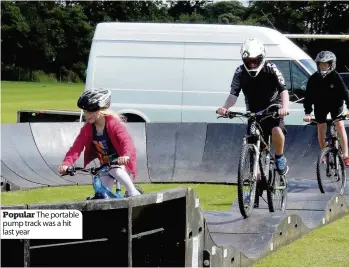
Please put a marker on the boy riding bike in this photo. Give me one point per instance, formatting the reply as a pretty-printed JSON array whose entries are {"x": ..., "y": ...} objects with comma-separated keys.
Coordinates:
[
  {"x": 103, "y": 136},
  {"x": 327, "y": 91},
  {"x": 262, "y": 84}
]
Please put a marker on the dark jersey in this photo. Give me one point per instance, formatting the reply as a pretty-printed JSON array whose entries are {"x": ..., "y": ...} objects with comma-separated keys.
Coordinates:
[
  {"x": 329, "y": 92},
  {"x": 261, "y": 91},
  {"x": 104, "y": 148}
]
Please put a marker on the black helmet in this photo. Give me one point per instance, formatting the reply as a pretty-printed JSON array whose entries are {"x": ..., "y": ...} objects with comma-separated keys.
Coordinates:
[
  {"x": 95, "y": 99},
  {"x": 330, "y": 58}
]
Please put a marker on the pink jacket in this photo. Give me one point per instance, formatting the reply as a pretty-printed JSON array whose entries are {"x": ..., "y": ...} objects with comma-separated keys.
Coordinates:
[{"x": 119, "y": 137}]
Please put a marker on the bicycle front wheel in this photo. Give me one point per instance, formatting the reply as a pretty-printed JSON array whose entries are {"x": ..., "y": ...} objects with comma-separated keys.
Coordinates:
[
  {"x": 277, "y": 191},
  {"x": 330, "y": 171},
  {"x": 246, "y": 180}
]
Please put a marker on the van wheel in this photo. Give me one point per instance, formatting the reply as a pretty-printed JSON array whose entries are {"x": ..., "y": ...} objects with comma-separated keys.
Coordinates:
[{"x": 132, "y": 118}]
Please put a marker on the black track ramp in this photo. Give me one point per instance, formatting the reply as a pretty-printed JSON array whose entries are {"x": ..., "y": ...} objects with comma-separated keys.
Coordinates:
[
  {"x": 11, "y": 149},
  {"x": 175, "y": 151},
  {"x": 138, "y": 134},
  {"x": 53, "y": 140},
  {"x": 17, "y": 182}
]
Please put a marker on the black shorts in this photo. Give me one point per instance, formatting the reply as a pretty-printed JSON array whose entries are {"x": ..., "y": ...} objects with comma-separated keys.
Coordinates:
[
  {"x": 268, "y": 124},
  {"x": 322, "y": 111}
]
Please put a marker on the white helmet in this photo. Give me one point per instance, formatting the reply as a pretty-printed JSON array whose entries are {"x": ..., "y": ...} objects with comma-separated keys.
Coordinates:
[{"x": 253, "y": 55}]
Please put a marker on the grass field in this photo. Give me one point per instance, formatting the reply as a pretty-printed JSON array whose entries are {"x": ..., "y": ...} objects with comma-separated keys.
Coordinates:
[
  {"x": 35, "y": 96},
  {"x": 327, "y": 246}
]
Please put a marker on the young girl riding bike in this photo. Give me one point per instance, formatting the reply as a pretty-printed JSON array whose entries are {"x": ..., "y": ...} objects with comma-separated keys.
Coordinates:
[{"x": 104, "y": 136}]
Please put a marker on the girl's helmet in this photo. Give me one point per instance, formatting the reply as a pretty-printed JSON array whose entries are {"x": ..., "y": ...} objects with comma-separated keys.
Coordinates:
[
  {"x": 330, "y": 58},
  {"x": 253, "y": 52},
  {"x": 94, "y": 100}
]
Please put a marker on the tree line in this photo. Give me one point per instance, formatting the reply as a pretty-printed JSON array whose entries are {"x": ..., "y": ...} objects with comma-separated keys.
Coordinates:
[{"x": 51, "y": 40}]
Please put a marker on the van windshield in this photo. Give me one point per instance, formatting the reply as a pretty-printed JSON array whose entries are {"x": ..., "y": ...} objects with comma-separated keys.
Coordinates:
[{"x": 310, "y": 65}]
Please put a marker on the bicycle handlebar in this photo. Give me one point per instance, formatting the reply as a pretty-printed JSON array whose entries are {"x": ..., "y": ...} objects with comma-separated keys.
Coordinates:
[
  {"x": 71, "y": 170},
  {"x": 230, "y": 114},
  {"x": 331, "y": 121}
]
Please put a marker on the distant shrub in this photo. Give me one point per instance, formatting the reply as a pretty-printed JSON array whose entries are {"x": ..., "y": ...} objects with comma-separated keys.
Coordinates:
[
  {"x": 40, "y": 76},
  {"x": 70, "y": 76}
]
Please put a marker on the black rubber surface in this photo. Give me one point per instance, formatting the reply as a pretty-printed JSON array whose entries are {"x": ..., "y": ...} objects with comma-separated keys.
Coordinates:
[{"x": 253, "y": 234}]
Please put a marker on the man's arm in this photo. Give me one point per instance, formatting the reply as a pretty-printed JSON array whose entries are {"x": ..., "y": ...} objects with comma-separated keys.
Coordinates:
[
  {"x": 235, "y": 89},
  {"x": 307, "y": 101},
  {"x": 285, "y": 99},
  {"x": 231, "y": 100},
  {"x": 281, "y": 86}
]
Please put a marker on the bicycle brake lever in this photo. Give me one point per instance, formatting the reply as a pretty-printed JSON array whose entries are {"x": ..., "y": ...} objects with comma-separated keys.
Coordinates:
[
  {"x": 70, "y": 171},
  {"x": 221, "y": 116}
]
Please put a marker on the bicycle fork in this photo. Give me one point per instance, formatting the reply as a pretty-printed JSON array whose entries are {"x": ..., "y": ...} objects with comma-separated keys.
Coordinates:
[
  {"x": 100, "y": 188},
  {"x": 256, "y": 161}
]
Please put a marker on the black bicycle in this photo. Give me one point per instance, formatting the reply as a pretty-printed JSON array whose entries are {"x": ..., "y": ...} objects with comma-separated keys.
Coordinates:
[
  {"x": 101, "y": 191},
  {"x": 332, "y": 158},
  {"x": 257, "y": 168}
]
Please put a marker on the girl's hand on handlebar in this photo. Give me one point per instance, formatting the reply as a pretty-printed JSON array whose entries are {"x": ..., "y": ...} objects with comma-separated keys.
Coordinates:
[
  {"x": 122, "y": 160},
  {"x": 63, "y": 169}
]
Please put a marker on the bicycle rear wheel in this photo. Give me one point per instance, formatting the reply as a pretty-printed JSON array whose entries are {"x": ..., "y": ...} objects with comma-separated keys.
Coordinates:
[
  {"x": 246, "y": 179},
  {"x": 331, "y": 175}
]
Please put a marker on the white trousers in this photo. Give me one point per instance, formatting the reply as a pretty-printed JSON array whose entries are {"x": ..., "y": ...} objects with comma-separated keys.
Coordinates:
[{"x": 119, "y": 175}]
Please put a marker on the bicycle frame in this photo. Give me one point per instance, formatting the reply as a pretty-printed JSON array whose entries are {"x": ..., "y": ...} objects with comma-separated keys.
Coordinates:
[
  {"x": 333, "y": 155},
  {"x": 255, "y": 138},
  {"x": 255, "y": 146},
  {"x": 332, "y": 139},
  {"x": 99, "y": 188}
]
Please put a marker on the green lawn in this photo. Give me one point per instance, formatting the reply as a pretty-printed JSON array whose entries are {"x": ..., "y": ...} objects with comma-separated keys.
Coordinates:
[
  {"x": 35, "y": 96},
  {"x": 212, "y": 197},
  {"x": 327, "y": 246}
]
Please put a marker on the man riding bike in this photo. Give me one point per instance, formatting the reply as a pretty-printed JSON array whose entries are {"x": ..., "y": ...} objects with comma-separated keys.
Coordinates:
[
  {"x": 327, "y": 91},
  {"x": 262, "y": 84}
]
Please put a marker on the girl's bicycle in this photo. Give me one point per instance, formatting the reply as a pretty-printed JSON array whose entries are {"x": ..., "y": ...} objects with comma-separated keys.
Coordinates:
[
  {"x": 257, "y": 170},
  {"x": 101, "y": 191},
  {"x": 331, "y": 159}
]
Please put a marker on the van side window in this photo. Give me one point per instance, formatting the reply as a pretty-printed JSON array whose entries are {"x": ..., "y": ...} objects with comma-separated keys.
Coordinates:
[
  {"x": 299, "y": 80},
  {"x": 284, "y": 68}
]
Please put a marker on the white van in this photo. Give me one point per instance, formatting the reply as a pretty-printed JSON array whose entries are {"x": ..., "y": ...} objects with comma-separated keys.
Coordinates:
[{"x": 160, "y": 72}]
